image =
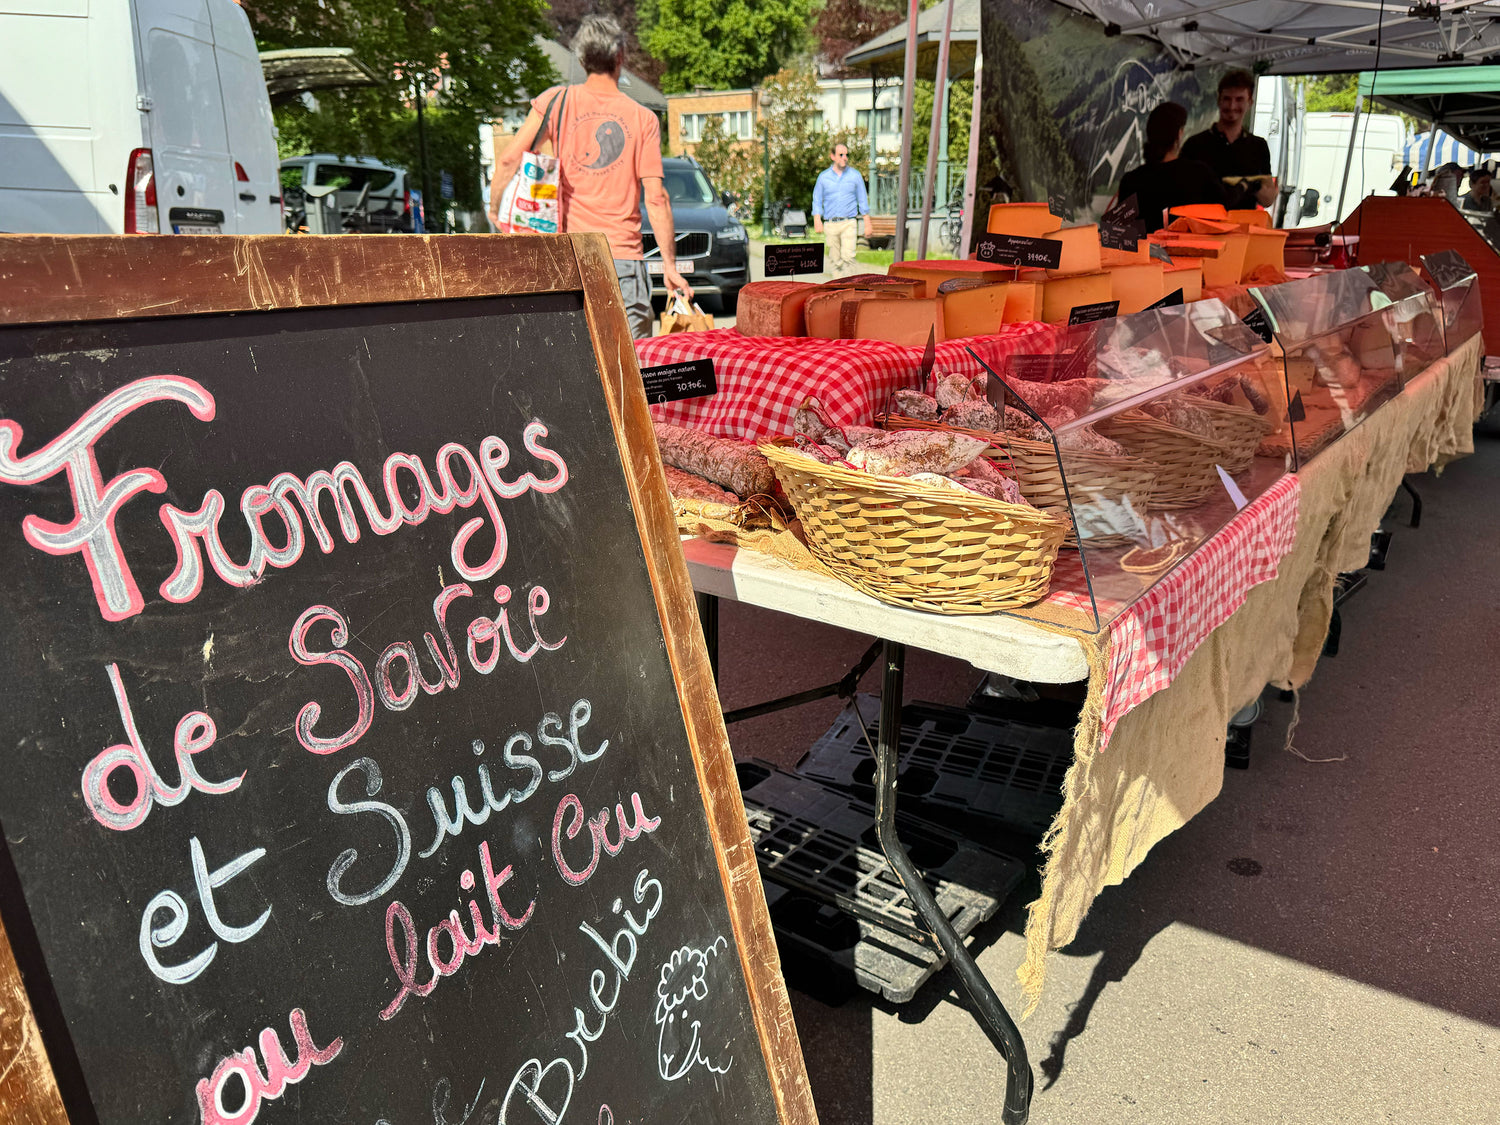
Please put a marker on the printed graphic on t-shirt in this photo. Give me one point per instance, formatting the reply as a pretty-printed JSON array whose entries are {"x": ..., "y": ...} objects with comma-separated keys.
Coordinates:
[{"x": 602, "y": 140}]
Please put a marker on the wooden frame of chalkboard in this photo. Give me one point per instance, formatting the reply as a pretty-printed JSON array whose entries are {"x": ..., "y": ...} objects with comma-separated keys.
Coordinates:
[{"x": 74, "y": 283}]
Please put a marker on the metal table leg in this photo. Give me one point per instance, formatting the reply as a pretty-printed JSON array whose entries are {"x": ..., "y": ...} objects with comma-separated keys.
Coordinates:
[
  {"x": 708, "y": 620},
  {"x": 1416, "y": 503},
  {"x": 986, "y": 1006}
]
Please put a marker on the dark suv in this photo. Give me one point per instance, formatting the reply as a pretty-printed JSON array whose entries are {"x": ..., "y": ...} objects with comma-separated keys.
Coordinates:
[{"x": 713, "y": 254}]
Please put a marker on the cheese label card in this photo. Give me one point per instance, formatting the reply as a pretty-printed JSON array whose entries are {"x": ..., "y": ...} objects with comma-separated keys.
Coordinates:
[
  {"x": 673, "y": 381},
  {"x": 1100, "y": 310},
  {"x": 1236, "y": 496},
  {"x": 1172, "y": 298},
  {"x": 1057, "y": 204},
  {"x": 794, "y": 257},
  {"x": 1295, "y": 411},
  {"x": 1019, "y": 250},
  {"x": 1258, "y": 323}
]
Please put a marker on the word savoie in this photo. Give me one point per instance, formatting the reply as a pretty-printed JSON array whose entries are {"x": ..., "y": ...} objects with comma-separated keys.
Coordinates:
[{"x": 292, "y": 500}]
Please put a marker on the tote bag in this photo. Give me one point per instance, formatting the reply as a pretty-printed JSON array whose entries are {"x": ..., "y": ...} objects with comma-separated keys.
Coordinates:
[{"x": 530, "y": 204}]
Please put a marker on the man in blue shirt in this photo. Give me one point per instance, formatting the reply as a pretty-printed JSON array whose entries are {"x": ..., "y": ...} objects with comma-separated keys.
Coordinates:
[{"x": 838, "y": 199}]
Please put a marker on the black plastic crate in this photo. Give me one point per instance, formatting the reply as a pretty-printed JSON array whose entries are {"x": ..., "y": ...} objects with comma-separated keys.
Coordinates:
[
  {"x": 952, "y": 760},
  {"x": 836, "y": 896}
]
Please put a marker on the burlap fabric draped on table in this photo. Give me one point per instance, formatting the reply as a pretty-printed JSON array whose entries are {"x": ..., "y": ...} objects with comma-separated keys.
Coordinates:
[{"x": 1165, "y": 760}]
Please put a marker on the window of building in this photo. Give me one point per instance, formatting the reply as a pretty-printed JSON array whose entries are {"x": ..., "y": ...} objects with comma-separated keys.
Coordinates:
[
  {"x": 737, "y": 124},
  {"x": 692, "y": 127},
  {"x": 886, "y": 120}
]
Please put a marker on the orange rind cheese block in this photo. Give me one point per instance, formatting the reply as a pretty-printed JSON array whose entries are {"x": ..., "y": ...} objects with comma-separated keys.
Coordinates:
[
  {"x": 977, "y": 310},
  {"x": 933, "y": 272},
  {"x": 905, "y": 286},
  {"x": 1026, "y": 220},
  {"x": 1081, "y": 252},
  {"x": 1250, "y": 217},
  {"x": 1267, "y": 247},
  {"x": 909, "y": 322},
  {"x": 1198, "y": 211},
  {"x": 825, "y": 312},
  {"x": 773, "y": 308},
  {"x": 1187, "y": 276},
  {"x": 1136, "y": 286},
  {"x": 1141, "y": 255},
  {"x": 1023, "y": 302},
  {"x": 1061, "y": 295}
]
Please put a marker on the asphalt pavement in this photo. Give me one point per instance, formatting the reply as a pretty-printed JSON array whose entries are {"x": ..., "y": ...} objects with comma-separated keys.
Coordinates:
[{"x": 1321, "y": 944}]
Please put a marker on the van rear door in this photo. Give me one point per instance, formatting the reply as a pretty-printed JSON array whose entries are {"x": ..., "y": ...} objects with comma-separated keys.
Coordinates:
[
  {"x": 250, "y": 128},
  {"x": 195, "y": 188}
]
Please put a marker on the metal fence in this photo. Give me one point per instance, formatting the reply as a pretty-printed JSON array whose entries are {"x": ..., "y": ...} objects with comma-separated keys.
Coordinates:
[{"x": 945, "y": 186}]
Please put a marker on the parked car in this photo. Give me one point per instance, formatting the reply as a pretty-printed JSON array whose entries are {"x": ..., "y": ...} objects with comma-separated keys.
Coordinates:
[
  {"x": 713, "y": 253},
  {"x": 384, "y": 209},
  {"x": 134, "y": 116}
]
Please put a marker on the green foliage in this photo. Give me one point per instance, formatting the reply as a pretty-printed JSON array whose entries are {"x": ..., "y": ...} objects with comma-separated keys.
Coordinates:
[
  {"x": 477, "y": 56},
  {"x": 1332, "y": 93},
  {"x": 843, "y": 25},
  {"x": 960, "y": 108},
  {"x": 799, "y": 142},
  {"x": 722, "y": 44},
  {"x": 732, "y": 165}
]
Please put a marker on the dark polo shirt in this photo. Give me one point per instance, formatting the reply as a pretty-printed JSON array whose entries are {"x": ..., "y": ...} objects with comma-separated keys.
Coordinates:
[{"x": 1248, "y": 155}]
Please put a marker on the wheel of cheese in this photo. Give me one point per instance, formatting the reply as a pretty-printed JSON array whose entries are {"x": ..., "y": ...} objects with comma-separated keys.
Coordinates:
[
  {"x": 908, "y": 322},
  {"x": 1081, "y": 252},
  {"x": 974, "y": 311},
  {"x": 1061, "y": 295},
  {"x": 773, "y": 308},
  {"x": 824, "y": 311},
  {"x": 1137, "y": 286},
  {"x": 934, "y": 271}
]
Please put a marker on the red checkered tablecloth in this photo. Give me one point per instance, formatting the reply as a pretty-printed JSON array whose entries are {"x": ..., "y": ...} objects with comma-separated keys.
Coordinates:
[
  {"x": 1152, "y": 639},
  {"x": 763, "y": 379}
]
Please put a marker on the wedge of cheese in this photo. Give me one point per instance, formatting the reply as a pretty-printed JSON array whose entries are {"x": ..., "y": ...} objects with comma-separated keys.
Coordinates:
[
  {"x": 1029, "y": 220},
  {"x": 1080, "y": 252},
  {"x": 907, "y": 322},
  {"x": 1061, "y": 295},
  {"x": 825, "y": 312},
  {"x": 1267, "y": 248},
  {"x": 1250, "y": 217},
  {"x": 1023, "y": 302},
  {"x": 1222, "y": 256},
  {"x": 1187, "y": 276},
  {"x": 933, "y": 272},
  {"x": 906, "y": 287},
  {"x": 773, "y": 308},
  {"x": 1136, "y": 286},
  {"x": 1198, "y": 211},
  {"x": 1139, "y": 256},
  {"x": 974, "y": 311}
]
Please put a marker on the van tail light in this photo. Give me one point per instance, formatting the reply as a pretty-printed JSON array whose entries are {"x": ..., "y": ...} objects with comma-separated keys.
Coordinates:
[
  {"x": 240, "y": 174},
  {"x": 406, "y": 201},
  {"x": 140, "y": 194}
]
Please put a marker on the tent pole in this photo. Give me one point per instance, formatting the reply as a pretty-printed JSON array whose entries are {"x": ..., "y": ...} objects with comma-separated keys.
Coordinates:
[
  {"x": 1431, "y": 144},
  {"x": 971, "y": 172},
  {"x": 1359, "y": 104},
  {"x": 908, "y": 92},
  {"x": 874, "y": 109},
  {"x": 939, "y": 132}
]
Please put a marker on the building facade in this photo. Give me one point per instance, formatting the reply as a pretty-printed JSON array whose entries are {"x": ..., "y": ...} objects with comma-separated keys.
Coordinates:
[{"x": 844, "y": 103}]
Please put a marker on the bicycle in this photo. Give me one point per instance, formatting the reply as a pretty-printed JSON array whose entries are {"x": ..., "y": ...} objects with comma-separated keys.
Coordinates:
[{"x": 950, "y": 230}]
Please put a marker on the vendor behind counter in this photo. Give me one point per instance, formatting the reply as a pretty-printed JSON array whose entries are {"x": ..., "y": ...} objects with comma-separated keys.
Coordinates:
[
  {"x": 1238, "y": 157},
  {"x": 1166, "y": 179}
]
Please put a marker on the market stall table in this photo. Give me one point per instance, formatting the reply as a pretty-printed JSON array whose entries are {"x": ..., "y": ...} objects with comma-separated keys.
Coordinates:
[{"x": 1166, "y": 677}]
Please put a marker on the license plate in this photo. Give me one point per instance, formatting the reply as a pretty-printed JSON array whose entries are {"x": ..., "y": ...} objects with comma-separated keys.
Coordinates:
[
  {"x": 195, "y": 228},
  {"x": 659, "y": 267}
]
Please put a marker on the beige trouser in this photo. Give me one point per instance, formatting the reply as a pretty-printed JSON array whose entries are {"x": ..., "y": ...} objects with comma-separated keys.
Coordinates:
[{"x": 839, "y": 237}]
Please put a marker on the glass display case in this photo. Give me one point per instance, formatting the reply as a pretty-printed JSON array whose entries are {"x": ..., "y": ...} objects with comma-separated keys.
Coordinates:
[
  {"x": 1412, "y": 318},
  {"x": 1337, "y": 356},
  {"x": 1144, "y": 434},
  {"x": 1457, "y": 284}
]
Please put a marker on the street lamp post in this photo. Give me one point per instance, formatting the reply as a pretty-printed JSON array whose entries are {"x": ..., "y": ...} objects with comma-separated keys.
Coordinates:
[{"x": 765, "y": 199}]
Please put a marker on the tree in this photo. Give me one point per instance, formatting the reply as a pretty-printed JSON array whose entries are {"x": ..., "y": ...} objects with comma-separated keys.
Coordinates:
[
  {"x": 732, "y": 165},
  {"x": 723, "y": 44},
  {"x": 960, "y": 109},
  {"x": 478, "y": 57},
  {"x": 1332, "y": 93},
  {"x": 845, "y": 24},
  {"x": 800, "y": 142}
]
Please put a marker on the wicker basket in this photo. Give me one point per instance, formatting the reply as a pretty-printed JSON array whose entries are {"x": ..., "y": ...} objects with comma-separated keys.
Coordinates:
[
  {"x": 1092, "y": 478},
  {"x": 916, "y": 545},
  {"x": 1241, "y": 429},
  {"x": 1183, "y": 462}
]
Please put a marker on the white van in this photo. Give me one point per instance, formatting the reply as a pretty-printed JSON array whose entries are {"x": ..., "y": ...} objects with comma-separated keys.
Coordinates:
[
  {"x": 134, "y": 116},
  {"x": 1378, "y": 159}
]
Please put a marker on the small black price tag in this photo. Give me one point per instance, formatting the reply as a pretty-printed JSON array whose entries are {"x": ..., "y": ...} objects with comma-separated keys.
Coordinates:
[
  {"x": 1057, "y": 204},
  {"x": 794, "y": 257},
  {"x": 1259, "y": 324},
  {"x": 1121, "y": 236},
  {"x": 1018, "y": 250},
  {"x": 1295, "y": 412},
  {"x": 673, "y": 381},
  {"x": 1087, "y": 314},
  {"x": 1173, "y": 298},
  {"x": 1126, "y": 211},
  {"x": 1447, "y": 268},
  {"x": 1035, "y": 368},
  {"x": 1159, "y": 252}
]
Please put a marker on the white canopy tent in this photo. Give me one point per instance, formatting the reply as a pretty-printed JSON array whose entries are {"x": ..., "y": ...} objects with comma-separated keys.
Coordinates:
[{"x": 1270, "y": 36}]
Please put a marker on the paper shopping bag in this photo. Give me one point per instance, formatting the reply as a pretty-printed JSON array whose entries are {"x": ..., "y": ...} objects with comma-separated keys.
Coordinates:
[{"x": 682, "y": 316}]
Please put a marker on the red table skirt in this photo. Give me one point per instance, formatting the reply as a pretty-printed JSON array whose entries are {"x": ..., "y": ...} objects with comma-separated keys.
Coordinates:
[{"x": 763, "y": 379}]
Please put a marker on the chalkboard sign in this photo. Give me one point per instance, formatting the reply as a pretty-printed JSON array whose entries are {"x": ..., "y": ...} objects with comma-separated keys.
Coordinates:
[
  {"x": 786, "y": 258},
  {"x": 362, "y": 760}
]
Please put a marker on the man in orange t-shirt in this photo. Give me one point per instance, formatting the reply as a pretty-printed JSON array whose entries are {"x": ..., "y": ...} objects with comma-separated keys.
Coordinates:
[{"x": 608, "y": 147}]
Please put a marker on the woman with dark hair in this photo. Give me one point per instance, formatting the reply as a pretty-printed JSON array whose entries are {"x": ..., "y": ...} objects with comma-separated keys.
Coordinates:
[{"x": 1164, "y": 180}]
